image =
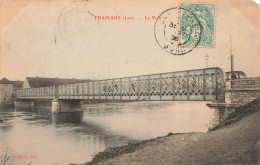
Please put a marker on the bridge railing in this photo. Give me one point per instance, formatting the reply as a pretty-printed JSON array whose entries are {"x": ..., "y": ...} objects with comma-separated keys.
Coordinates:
[
  {"x": 238, "y": 74},
  {"x": 200, "y": 84}
]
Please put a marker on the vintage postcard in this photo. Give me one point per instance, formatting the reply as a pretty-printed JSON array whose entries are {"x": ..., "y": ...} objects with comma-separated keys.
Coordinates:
[{"x": 129, "y": 82}]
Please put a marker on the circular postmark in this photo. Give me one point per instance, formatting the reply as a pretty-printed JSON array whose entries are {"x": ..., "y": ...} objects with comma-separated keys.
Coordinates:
[
  {"x": 76, "y": 28},
  {"x": 177, "y": 27}
]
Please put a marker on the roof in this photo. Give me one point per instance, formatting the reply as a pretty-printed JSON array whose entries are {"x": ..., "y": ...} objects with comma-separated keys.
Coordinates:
[
  {"x": 36, "y": 82},
  {"x": 18, "y": 84},
  {"x": 5, "y": 81}
]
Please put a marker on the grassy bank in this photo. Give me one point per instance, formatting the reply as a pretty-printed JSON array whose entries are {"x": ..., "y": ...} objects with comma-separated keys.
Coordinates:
[
  {"x": 238, "y": 114},
  {"x": 116, "y": 151}
]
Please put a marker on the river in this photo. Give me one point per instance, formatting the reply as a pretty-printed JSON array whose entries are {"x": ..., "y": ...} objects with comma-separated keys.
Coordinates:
[{"x": 40, "y": 137}]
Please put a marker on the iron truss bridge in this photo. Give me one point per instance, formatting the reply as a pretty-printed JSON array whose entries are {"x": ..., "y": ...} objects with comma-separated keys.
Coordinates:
[{"x": 198, "y": 85}]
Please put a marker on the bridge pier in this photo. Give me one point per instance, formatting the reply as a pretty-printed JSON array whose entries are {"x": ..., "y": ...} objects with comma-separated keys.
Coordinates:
[
  {"x": 59, "y": 106},
  {"x": 24, "y": 103}
]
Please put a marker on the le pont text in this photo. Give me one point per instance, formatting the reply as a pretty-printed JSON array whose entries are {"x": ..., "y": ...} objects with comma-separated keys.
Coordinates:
[{"x": 126, "y": 18}]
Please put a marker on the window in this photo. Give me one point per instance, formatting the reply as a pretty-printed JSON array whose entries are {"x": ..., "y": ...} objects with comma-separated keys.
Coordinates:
[{"x": 5, "y": 94}]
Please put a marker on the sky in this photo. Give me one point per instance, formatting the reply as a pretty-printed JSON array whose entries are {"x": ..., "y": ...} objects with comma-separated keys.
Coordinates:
[{"x": 61, "y": 38}]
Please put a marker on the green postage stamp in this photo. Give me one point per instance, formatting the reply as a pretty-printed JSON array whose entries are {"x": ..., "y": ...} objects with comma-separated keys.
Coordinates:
[{"x": 205, "y": 15}]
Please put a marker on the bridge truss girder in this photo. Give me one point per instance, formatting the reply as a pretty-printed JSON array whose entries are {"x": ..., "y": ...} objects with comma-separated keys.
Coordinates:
[{"x": 191, "y": 85}]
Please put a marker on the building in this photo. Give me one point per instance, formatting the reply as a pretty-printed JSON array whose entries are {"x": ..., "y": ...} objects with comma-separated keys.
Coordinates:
[
  {"x": 36, "y": 82},
  {"x": 7, "y": 89}
]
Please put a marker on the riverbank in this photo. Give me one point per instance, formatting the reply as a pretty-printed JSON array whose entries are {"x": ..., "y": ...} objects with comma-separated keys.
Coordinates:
[{"x": 232, "y": 141}]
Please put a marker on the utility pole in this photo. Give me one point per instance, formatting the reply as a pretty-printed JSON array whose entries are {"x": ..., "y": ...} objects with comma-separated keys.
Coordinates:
[
  {"x": 108, "y": 70},
  {"x": 231, "y": 57},
  {"x": 206, "y": 58}
]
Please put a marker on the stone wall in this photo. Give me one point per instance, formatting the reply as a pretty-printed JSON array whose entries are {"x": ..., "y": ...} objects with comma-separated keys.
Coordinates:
[
  {"x": 242, "y": 91},
  {"x": 246, "y": 83}
]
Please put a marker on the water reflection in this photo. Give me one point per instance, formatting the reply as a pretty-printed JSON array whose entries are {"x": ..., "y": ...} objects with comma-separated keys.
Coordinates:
[
  {"x": 61, "y": 118},
  {"x": 74, "y": 137},
  {"x": 137, "y": 121}
]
